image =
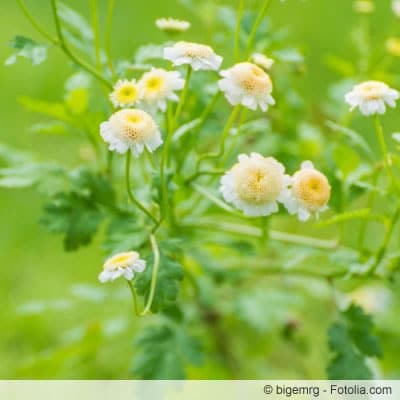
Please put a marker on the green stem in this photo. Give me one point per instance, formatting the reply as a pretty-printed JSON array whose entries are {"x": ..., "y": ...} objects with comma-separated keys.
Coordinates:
[
  {"x": 256, "y": 25},
  {"x": 95, "y": 26},
  {"x": 128, "y": 188},
  {"x": 237, "y": 29},
  {"x": 182, "y": 98},
  {"x": 36, "y": 25},
  {"x": 110, "y": 12},
  {"x": 134, "y": 298},
  {"x": 93, "y": 71}
]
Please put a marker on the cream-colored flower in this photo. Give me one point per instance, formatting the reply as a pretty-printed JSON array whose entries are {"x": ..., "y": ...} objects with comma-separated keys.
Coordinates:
[
  {"x": 393, "y": 46},
  {"x": 262, "y": 61},
  {"x": 158, "y": 85},
  {"x": 125, "y": 93},
  {"x": 131, "y": 129},
  {"x": 247, "y": 84},
  {"x": 122, "y": 264},
  {"x": 198, "y": 56},
  {"x": 172, "y": 25},
  {"x": 364, "y": 6},
  {"x": 396, "y": 7},
  {"x": 309, "y": 193},
  {"x": 255, "y": 185},
  {"x": 372, "y": 97}
]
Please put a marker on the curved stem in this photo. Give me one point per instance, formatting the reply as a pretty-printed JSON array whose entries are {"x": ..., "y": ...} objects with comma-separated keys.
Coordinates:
[
  {"x": 182, "y": 98},
  {"x": 95, "y": 26},
  {"x": 237, "y": 29},
  {"x": 110, "y": 12},
  {"x": 35, "y": 24},
  {"x": 256, "y": 25},
  {"x": 134, "y": 298},
  {"x": 71, "y": 55},
  {"x": 128, "y": 188}
]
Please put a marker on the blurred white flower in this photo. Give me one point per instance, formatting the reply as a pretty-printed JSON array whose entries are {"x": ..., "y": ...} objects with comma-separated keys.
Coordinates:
[
  {"x": 158, "y": 85},
  {"x": 131, "y": 129},
  {"x": 371, "y": 97},
  {"x": 247, "y": 84},
  {"x": 122, "y": 264},
  {"x": 198, "y": 56},
  {"x": 364, "y": 6},
  {"x": 309, "y": 193},
  {"x": 172, "y": 25},
  {"x": 396, "y": 7},
  {"x": 125, "y": 93},
  {"x": 373, "y": 299},
  {"x": 262, "y": 61},
  {"x": 255, "y": 185}
]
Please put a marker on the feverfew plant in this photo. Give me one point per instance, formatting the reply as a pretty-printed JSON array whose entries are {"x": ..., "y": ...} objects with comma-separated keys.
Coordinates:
[{"x": 217, "y": 223}]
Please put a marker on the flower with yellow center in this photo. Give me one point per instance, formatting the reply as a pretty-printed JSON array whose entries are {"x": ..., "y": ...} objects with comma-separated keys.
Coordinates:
[
  {"x": 255, "y": 185},
  {"x": 247, "y": 84},
  {"x": 262, "y": 61},
  {"x": 396, "y": 7},
  {"x": 364, "y": 6},
  {"x": 372, "y": 97},
  {"x": 198, "y": 56},
  {"x": 393, "y": 46},
  {"x": 125, "y": 93},
  {"x": 309, "y": 193},
  {"x": 131, "y": 130},
  {"x": 158, "y": 85},
  {"x": 122, "y": 264},
  {"x": 172, "y": 25}
]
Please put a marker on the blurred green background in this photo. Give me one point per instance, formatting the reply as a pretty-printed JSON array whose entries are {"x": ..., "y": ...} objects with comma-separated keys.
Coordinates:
[{"x": 56, "y": 320}]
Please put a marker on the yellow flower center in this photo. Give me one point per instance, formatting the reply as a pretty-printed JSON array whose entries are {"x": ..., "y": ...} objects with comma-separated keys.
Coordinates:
[
  {"x": 121, "y": 260},
  {"x": 155, "y": 83},
  {"x": 257, "y": 181},
  {"x": 126, "y": 94},
  {"x": 312, "y": 188},
  {"x": 195, "y": 50},
  {"x": 372, "y": 90},
  {"x": 252, "y": 78}
]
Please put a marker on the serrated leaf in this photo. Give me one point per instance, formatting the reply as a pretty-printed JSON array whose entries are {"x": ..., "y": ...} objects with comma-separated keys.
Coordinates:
[{"x": 27, "y": 48}]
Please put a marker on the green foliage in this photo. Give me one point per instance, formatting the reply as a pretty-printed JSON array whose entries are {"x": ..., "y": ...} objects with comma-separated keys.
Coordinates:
[
  {"x": 78, "y": 213},
  {"x": 352, "y": 340},
  {"x": 27, "y": 48},
  {"x": 163, "y": 352}
]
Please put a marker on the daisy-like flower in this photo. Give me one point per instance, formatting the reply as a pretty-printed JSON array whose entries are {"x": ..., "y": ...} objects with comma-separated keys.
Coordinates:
[
  {"x": 247, "y": 84},
  {"x": 393, "y": 46},
  {"x": 309, "y": 193},
  {"x": 396, "y": 7},
  {"x": 255, "y": 185},
  {"x": 363, "y": 6},
  {"x": 122, "y": 264},
  {"x": 125, "y": 93},
  {"x": 198, "y": 56},
  {"x": 372, "y": 97},
  {"x": 172, "y": 25},
  {"x": 131, "y": 129},
  {"x": 158, "y": 85},
  {"x": 262, "y": 61}
]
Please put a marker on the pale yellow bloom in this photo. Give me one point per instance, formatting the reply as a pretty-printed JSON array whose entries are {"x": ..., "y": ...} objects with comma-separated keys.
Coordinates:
[
  {"x": 122, "y": 264},
  {"x": 172, "y": 25},
  {"x": 125, "y": 93},
  {"x": 262, "y": 61}
]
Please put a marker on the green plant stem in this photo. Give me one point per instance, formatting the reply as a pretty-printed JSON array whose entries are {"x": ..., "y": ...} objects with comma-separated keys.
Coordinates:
[
  {"x": 237, "y": 30},
  {"x": 61, "y": 42},
  {"x": 134, "y": 298},
  {"x": 128, "y": 188},
  {"x": 36, "y": 25},
  {"x": 95, "y": 26},
  {"x": 110, "y": 13},
  {"x": 182, "y": 99},
  {"x": 256, "y": 25}
]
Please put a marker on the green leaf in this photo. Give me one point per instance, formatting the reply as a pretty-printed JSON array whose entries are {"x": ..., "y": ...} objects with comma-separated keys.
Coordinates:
[
  {"x": 54, "y": 110},
  {"x": 289, "y": 56},
  {"x": 77, "y": 100},
  {"x": 351, "y": 340},
  {"x": 76, "y": 23},
  {"x": 346, "y": 159},
  {"x": 27, "y": 48},
  {"x": 164, "y": 351},
  {"x": 48, "y": 128},
  {"x": 169, "y": 275}
]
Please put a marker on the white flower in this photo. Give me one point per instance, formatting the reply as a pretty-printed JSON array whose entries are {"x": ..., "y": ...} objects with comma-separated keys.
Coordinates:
[
  {"x": 247, "y": 84},
  {"x": 158, "y": 85},
  {"x": 125, "y": 93},
  {"x": 363, "y": 6},
  {"x": 262, "y": 61},
  {"x": 309, "y": 193},
  {"x": 122, "y": 264},
  {"x": 199, "y": 56},
  {"x": 131, "y": 129},
  {"x": 172, "y": 25},
  {"x": 371, "y": 97},
  {"x": 255, "y": 185},
  {"x": 396, "y": 7}
]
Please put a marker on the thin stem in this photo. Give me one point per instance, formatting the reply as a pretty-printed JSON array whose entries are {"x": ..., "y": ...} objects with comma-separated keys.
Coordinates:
[
  {"x": 154, "y": 275},
  {"x": 95, "y": 26},
  {"x": 256, "y": 25},
  {"x": 71, "y": 55},
  {"x": 182, "y": 98},
  {"x": 134, "y": 298},
  {"x": 110, "y": 13},
  {"x": 36, "y": 25},
  {"x": 237, "y": 29},
  {"x": 128, "y": 188}
]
